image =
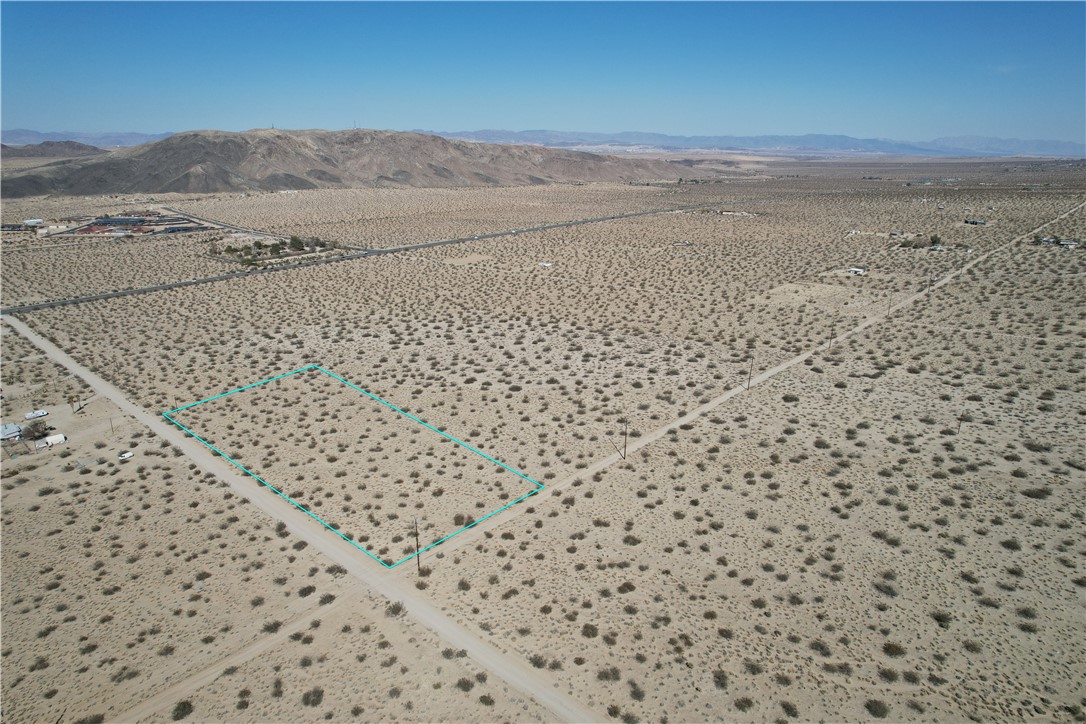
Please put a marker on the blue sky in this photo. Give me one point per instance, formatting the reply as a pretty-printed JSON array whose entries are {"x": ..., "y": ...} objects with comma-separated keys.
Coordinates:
[{"x": 907, "y": 71}]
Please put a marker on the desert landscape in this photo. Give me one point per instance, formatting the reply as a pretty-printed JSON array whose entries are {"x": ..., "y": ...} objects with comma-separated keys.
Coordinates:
[{"x": 773, "y": 490}]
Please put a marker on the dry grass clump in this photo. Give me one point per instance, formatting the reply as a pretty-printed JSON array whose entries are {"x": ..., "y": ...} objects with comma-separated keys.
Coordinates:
[
  {"x": 121, "y": 577},
  {"x": 375, "y": 218},
  {"x": 350, "y": 662},
  {"x": 363, "y": 468},
  {"x": 765, "y": 511},
  {"x": 32, "y": 382},
  {"x": 783, "y": 549},
  {"x": 43, "y": 272}
]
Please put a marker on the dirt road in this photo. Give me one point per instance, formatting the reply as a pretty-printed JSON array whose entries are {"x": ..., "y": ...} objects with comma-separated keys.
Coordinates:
[
  {"x": 476, "y": 534},
  {"x": 194, "y": 681},
  {"x": 394, "y": 584},
  {"x": 511, "y": 668}
]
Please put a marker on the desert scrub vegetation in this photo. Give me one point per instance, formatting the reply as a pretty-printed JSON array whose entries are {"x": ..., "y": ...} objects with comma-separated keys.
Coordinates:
[
  {"x": 631, "y": 324},
  {"x": 326, "y": 423},
  {"x": 88, "y": 554},
  {"x": 38, "y": 272},
  {"x": 316, "y": 673}
]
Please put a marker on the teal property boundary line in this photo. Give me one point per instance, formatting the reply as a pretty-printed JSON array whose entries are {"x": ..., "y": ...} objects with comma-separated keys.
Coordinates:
[{"x": 314, "y": 367}]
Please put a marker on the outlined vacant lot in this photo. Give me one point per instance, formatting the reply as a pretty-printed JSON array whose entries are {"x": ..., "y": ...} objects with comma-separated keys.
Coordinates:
[{"x": 361, "y": 466}]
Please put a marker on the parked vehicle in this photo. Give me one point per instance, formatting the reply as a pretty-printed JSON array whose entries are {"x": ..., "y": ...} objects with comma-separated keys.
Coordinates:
[{"x": 35, "y": 414}]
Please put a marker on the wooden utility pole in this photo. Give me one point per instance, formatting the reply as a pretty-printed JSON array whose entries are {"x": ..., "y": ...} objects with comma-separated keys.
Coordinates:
[
  {"x": 418, "y": 550},
  {"x": 750, "y": 372},
  {"x": 960, "y": 418},
  {"x": 622, "y": 452},
  {"x": 625, "y": 435}
]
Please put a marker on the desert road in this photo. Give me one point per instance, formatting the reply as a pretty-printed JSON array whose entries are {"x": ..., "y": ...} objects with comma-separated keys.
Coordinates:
[
  {"x": 478, "y": 532},
  {"x": 250, "y": 271},
  {"x": 509, "y": 666},
  {"x": 513, "y": 669}
]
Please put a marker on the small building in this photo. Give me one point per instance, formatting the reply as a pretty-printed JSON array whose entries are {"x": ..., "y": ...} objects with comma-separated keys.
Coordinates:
[
  {"x": 120, "y": 221},
  {"x": 857, "y": 271},
  {"x": 33, "y": 222},
  {"x": 11, "y": 431},
  {"x": 52, "y": 229},
  {"x": 51, "y": 440}
]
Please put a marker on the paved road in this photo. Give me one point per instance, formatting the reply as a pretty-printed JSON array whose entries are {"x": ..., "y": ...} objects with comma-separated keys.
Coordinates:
[
  {"x": 512, "y": 668},
  {"x": 478, "y": 533},
  {"x": 20, "y": 309},
  {"x": 221, "y": 224},
  {"x": 394, "y": 585}
]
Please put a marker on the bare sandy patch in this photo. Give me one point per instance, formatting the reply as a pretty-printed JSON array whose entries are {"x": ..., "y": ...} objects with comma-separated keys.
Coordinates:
[{"x": 469, "y": 259}]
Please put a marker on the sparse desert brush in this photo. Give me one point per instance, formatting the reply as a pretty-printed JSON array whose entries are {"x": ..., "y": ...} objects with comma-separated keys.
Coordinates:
[
  {"x": 627, "y": 325},
  {"x": 893, "y": 650},
  {"x": 877, "y": 708},
  {"x": 181, "y": 710}
]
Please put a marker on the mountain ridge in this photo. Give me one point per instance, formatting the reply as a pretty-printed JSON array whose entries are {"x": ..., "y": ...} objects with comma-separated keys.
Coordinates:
[
  {"x": 979, "y": 146},
  {"x": 212, "y": 161},
  {"x": 51, "y": 149}
]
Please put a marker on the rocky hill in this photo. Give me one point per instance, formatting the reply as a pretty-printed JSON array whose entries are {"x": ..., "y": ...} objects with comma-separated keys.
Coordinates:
[
  {"x": 51, "y": 149},
  {"x": 270, "y": 159}
]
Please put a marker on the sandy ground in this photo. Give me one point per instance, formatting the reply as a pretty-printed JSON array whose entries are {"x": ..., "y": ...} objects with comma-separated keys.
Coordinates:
[
  {"x": 40, "y": 272},
  {"x": 402, "y": 472},
  {"x": 829, "y": 545},
  {"x": 345, "y": 561}
]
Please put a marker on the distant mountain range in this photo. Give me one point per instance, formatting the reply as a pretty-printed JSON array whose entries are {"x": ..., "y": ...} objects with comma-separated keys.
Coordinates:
[
  {"x": 279, "y": 160},
  {"x": 24, "y": 137},
  {"x": 810, "y": 143},
  {"x": 51, "y": 149}
]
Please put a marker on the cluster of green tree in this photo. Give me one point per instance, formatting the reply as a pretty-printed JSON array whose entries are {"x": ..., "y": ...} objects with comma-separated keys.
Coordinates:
[{"x": 249, "y": 253}]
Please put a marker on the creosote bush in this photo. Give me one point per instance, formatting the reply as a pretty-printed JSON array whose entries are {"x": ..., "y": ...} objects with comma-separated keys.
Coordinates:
[{"x": 181, "y": 710}]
